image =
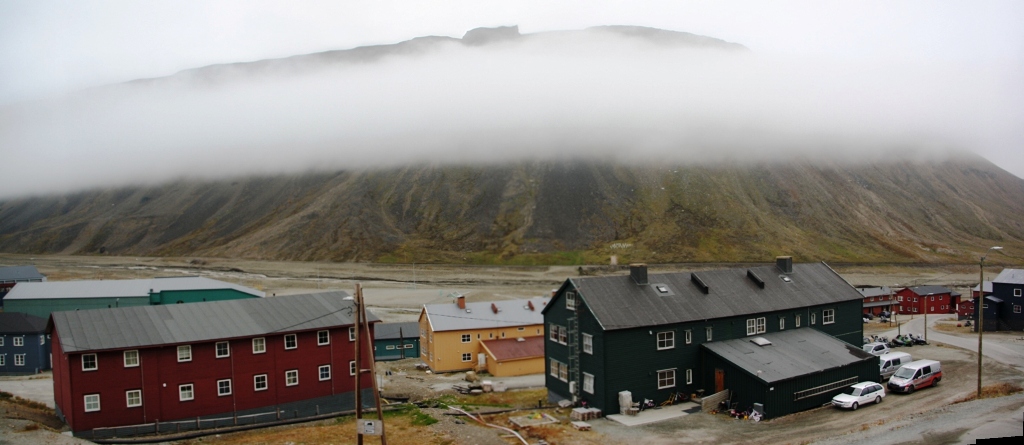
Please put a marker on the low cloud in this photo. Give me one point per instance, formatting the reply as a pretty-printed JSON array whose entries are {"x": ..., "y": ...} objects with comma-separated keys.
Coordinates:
[{"x": 538, "y": 99}]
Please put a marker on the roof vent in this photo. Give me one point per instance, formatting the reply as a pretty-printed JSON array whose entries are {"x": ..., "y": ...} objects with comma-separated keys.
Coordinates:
[
  {"x": 520, "y": 339},
  {"x": 700, "y": 283},
  {"x": 756, "y": 279},
  {"x": 786, "y": 279},
  {"x": 469, "y": 311},
  {"x": 760, "y": 341}
]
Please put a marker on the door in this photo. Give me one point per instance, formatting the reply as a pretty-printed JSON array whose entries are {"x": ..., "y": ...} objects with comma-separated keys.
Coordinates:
[{"x": 719, "y": 380}]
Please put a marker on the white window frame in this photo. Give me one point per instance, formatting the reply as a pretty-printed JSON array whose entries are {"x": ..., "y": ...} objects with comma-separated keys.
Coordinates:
[
  {"x": 256, "y": 379},
  {"x": 186, "y": 392},
  {"x": 19, "y": 359},
  {"x": 3, "y": 359},
  {"x": 570, "y": 301},
  {"x": 782, "y": 323},
  {"x": 553, "y": 332},
  {"x": 89, "y": 399},
  {"x": 320, "y": 372},
  {"x": 18, "y": 341},
  {"x": 666, "y": 378},
  {"x": 388, "y": 347},
  {"x": 352, "y": 334},
  {"x": 688, "y": 334},
  {"x": 221, "y": 385},
  {"x": 294, "y": 341},
  {"x": 796, "y": 321},
  {"x": 588, "y": 383},
  {"x": 467, "y": 356},
  {"x": 128, "y": 398},
  {"x": 1017, "y": 292},
  {"x": 553, "y": 369},
  {"x": 352, "y": 366},
  {"x": 828, "y": 316},
  {"x": 95, "y": 362},
  {"x": 184, "y": 353},
  {"x": 762, "y": 325},
  {"x": 291, "y": 377},
  {"x": 666, "y": 340},
  {"x": 466, "y": 338},
  {"x": 42, "y": 339},
  {"x": 588, "y": 343},
  {"x": 563, "y": 335},
  {"x": 128, "y": 355},
  {"x": 563, "y": 372},
  {"x": 814, "y": 318},
  {"x": 689, "y": 376},
  {"x": 751, "y": 326},
  {"x": 227, "y": 349},
  {"x": 709, "y": 332},
  {"x": 259, "y": 345},
  {"x": 1016, "y": 309},
  {"x": 323, "y": 338},
  {"x": 1, "y": 340}
]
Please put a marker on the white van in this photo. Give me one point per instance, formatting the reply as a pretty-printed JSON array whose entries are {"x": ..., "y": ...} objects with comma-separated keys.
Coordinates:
[
  {"x": 889, "y": 363},
  {"x": 914, "y": 375}
]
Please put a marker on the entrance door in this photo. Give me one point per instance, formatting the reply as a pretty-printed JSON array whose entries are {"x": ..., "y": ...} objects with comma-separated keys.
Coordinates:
[{"x": 719, "y": 380}]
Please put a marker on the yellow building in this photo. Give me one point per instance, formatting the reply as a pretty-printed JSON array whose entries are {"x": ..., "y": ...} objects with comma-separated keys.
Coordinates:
[
  {"x": 514, "y": 356},
  {"x": 451, "y": 334}
]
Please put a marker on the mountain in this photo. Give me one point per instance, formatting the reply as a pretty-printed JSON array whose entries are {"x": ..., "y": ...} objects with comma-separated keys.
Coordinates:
[{"x": 570, "y": 212}]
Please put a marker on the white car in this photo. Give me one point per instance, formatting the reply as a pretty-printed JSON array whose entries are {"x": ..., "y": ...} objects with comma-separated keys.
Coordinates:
[
  {"x": 859, "y": 394},
  {"x": 876, "y": 348}
]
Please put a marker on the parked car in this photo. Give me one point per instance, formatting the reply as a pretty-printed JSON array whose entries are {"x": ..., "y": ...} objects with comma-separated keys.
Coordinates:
[
  {"x": 859, "y": 394},
  {"x": 916, "y": 375},
  {"x": 876, "y": 348},
  {"x": 889, "y": 363}
]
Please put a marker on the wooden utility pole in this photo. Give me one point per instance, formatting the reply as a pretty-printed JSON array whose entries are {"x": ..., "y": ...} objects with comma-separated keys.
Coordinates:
[
  {"x": 356, "y": 328},
  {"x": 362, "y": 330},
  {"x": 373, "y": 368}
]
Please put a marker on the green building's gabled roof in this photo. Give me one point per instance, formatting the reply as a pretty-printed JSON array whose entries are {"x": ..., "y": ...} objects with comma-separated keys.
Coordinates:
[
  {"x": 139, "y": 288},
  {"x": 791, "y": 354},
  {"x": 394, "y": 331},
  {"x": 618, "y": 302},
  {"x": 19, "y": 323},
  {"x": 142, "y": 326}
]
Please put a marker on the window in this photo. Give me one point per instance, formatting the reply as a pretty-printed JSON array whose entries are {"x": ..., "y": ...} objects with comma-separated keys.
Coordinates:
[
  {"x": 666, "y": 378},
  {"x": 222, "y": 349},
  {"x": 570, "y": 301},
  {"x": 707, "y": 332},
  {"x": 259, "y": 345},
  {"x": 291, "y": 378},
  {"x": 813, "y": 317},
  {"x": 562, "y": 334},
  {"x": 563, "y": 372},
  {"x": 408, "y": 346},
  {"x": 1, "y": 341},
  {"x": 431, "y": 336},
  {"x": 388, "y": 347},
  {"x": 933, "y": 299},
  {"x": 19, "y": 359},
  {"x": 467, "y": 356},
  {"x": 588, "y": 343},
  {"x": 323, "y": 338},
  {"x": 503, "y": 335},
  {"x": 131, "y": 358},
  {"x": 689, "y": 376},
  {"x": 666, "y": 340},
  {"x": 325, "y": 372},
  {"x": 761, "y": 325},
  {"x": 42, "y": 340},
  {"x": 19, "y": 341},
  {"x": 689, "y": 336},
  {"x": 352, "y": 334},
  {"x": 1016, "y": 309},
  {"x": 3, "y": 359},
  {"x": 1016, "y": 292},
  {"x": 291, "y": 341},
  {"x": 352, "y": 365},
  {"x": 259, "y": 382},
  {"x": 92, "y": 403},
  {"x": 588, "y": 383},
  {"x": 796, "y": 321},
  {"x": 520, "y": 329},
  {"x": 89, "y": 362},
  {"x": 828, "y": 316},
  {"x": 185, "y": 392},
  {"x": 553, "y": 332},
  {"x": 751, "y": 326},
  {"x": 554, "y": 368},
  {"x": 782, "y": 323},
  {"x": 224, "y": 387},
  {"x": 133, "y": 397},
  {"x": 466, "y": 338},
  {"x": 185, "y": 353}
]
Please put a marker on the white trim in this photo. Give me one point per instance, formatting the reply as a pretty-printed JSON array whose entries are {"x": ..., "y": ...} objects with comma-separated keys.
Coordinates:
[
  {"x": 256, "y": 382},
  {"x": 97, "y": 400},
  {"x": 263, "y": 345},
  {"x": 221, "y": 393},
  {"x": 95, "y": 362},
  {"x": 227, "y": 349},
  {"x": 191, "y": 392},
  {"x": 588, "y": 343},
  {"x": 588, "y": 378},
  {"x": 320, "y": 372},
  {"x": 187, "y": 356},
  {"x": 668, "y": 342},
  {"x": 352, "y": 366},
  {"x": 137, "y": 359},
  {"x": 287, "y": 377},
  {"x": 128, "y": 398},
  {"x": 295, "y": 341},
  {"x": 667, "y": 377},
  {"x": 327, "y": 336}
]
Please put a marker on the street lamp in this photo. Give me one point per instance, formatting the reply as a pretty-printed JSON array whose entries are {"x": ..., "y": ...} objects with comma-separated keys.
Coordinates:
[{"x": 980, "y": 306}]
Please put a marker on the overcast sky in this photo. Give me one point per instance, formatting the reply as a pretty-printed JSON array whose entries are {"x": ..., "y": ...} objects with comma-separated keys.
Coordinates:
[{"x": 958, "y": 65}]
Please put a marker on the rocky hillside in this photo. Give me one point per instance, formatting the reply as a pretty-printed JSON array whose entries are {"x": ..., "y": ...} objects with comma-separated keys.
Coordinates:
[{"x": 568, "y": 213}]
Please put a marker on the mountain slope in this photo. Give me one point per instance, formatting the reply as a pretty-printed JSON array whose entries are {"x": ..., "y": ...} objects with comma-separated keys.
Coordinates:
[{"x": 546, "y": 212}]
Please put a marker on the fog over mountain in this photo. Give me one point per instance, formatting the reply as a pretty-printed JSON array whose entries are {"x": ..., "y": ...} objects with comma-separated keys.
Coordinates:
[{"x": 618, "y": 94}]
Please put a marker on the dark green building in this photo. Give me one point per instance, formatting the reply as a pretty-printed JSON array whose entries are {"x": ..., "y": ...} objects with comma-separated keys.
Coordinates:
[
  {"x": 644, "y": 334},
  {"x": 396, "y": 341}
]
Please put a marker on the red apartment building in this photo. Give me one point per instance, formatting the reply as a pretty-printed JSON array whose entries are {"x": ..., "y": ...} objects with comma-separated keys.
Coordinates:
[
  {"x": 933, "y": 299},
  {"x": 148, "y": 366}
]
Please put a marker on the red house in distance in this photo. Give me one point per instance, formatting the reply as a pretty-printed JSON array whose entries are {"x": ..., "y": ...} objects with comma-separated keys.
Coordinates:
[
  {"x": 933, "y": 299},
  {"x": 178, "y": 367}
]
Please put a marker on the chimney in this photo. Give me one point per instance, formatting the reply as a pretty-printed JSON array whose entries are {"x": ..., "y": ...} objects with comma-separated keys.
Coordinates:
[
  {"x": 530, "y": 305},
  {"x": 494, "y": 308},
  {"x": 638, "y": 272},
  {"x": 461, "y": 301},
  {"x": 784, "y": 263}
]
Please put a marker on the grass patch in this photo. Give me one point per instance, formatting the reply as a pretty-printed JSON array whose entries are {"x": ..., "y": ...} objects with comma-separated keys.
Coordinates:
[
  {"x": 519, "y": 398},
  {"x": 997, "y": 390},
  {"x": 25, "y": 402}
]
